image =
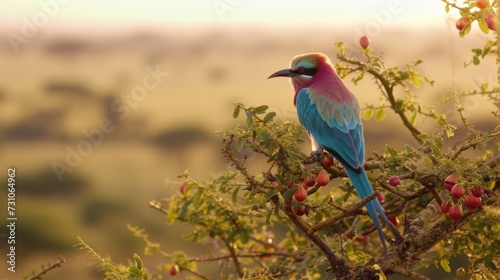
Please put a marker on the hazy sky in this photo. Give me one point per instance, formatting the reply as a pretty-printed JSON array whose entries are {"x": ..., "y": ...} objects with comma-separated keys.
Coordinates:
[{"x": 407, "y": 12}]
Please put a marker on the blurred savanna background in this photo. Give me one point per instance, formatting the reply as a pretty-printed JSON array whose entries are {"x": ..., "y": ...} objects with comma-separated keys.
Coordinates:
[{"x": 103, "y": 103}]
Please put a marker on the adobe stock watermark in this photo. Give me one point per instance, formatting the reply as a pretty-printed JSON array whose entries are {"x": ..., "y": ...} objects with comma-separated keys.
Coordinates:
[
  {"x": 221, "y": 7},
  {"x": 380, "y": 18},
  {"x": 122, "y": 106},
  {"x": 30, "y": 27}
]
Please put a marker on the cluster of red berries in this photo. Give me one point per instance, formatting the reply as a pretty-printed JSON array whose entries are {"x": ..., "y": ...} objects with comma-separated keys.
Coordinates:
[
  {"x": 322, "y": 178},
  {"x": 472, "y": 201},
  {"x": 489, "y": 19}
]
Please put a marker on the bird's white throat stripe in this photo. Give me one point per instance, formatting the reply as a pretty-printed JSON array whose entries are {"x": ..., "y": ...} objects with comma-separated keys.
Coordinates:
[{"x": 306, "y": 76}]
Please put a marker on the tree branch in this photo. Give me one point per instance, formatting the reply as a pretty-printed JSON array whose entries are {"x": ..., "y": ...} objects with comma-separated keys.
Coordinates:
[
  {"x": 339, "y": 265},
  {"x": 346, "y": 212},
  {"x": 389, "y": 90}
]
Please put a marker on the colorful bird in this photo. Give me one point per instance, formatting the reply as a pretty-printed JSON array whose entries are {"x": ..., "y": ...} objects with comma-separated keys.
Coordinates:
[{"x": 330, "y": 114}]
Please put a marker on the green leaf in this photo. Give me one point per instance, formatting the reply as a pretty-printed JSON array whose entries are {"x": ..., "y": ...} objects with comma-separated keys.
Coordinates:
[
  {"x": 196, "y": 198},
  {"x": 423, "y": 136},
  {"x": 351, "y": 254},
  {"x": 413, "y": 118},
  {"x": 475, "y": 239},
  {"x": 435, "y": 149},
  {"x": 447, "y": 8},
  {"x": 409, "y": 148},
  {"x": 391, "y": 150},
  {"x": 477, "y": 52},
  {"x": 244, "y": 236},
  {"x": 234, "y": 194},
  {"x": 288, "y": 194},
  {"x": 138, "y": 261},
  {"x": 439, "y": 142},
  {"x": 280, "y": 179},
  {"x": 482, "y": 25},
  {"x": 415, "y": 79},
  {"x": 236, "y": 112},
  {"x": 270, "y": 194},
  {"x": 171, "y": 213},
  {"x": 492, "y": 184},
  {"x": 380, "y": 115},
  {"x": 268, "y": 217},
  {"x": 239, "y": 144},
  {"x": 445, "y": 265},
  {"x": 380, "y": 273},
  {"x": 134, "y": 270},
  {"x": 184, "y": 209},
  {"x": 367, "y": 113},
  {"x": 465, "y": 30},
  {"x": 269, "y": 116},
  {"x": 318, "y": 217},
  {"x": 249, "y": 120},
  {"x": 277, "y": 208},
  {"x": 475, "y": 60},
  {"x": 398, "y": 107},
  {"x": 261, "y": 109}
]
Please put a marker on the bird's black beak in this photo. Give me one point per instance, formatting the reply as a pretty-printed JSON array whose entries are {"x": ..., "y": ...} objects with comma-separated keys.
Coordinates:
[{"x": 282, "y": 73}]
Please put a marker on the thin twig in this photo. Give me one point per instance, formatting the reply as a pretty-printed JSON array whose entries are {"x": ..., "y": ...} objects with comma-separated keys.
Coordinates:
[
  {"x": 346, "y": 212},
  {"x": 45, "y": 270},
  {"x": 339, "y": 265}
]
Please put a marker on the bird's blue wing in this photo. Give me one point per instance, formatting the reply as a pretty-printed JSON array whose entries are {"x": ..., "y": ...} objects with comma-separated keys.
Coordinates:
[{"x": 335, "y": 126}]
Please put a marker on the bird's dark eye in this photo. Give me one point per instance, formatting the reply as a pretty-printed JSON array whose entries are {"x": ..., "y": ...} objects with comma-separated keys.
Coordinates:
[{"x": 301, "y": 69}]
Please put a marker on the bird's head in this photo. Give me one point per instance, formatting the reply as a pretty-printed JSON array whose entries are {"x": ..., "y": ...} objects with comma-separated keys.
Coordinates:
[{"x": 305, "y": 68}]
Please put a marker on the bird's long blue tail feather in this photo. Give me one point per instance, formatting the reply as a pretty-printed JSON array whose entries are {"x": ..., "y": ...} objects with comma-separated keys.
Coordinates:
[{"x": 364, "y": 189}]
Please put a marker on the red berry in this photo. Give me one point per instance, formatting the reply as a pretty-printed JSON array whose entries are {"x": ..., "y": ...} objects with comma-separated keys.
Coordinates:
[
  {"x": 446, "y": 206},
  {"x": 462, "y": 23},
  {"x": 362, "y": 238},
  {"x": 450, "y": 181},
  {"x": 455, "y": 212},
  {"x": 350, "y": 235},
  {"x": 174, "y": 270},
  {"x": 394, "y": 181},
  {"x": 393, "y": 219},
  {"x": 326, "y": 160},
  {"x": 478, "y": 192},
  {"x": 300, "y": 194},
  {"x": 457, "y": 191},
  {"x": 472, "y": 202},
  {"x": 380, "y": 197},
  {"x": 299, "y": 209},
  {"x": 182, "y": 187},
  {"x": 481, "y": 4},
  {"x": 323, "y": 178},
  {"x": 490, "y": 21},
  {"x": 364, "y": 41},
  {"x": 264, "y": 256},
  {"x": 310, "y": 181}
]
